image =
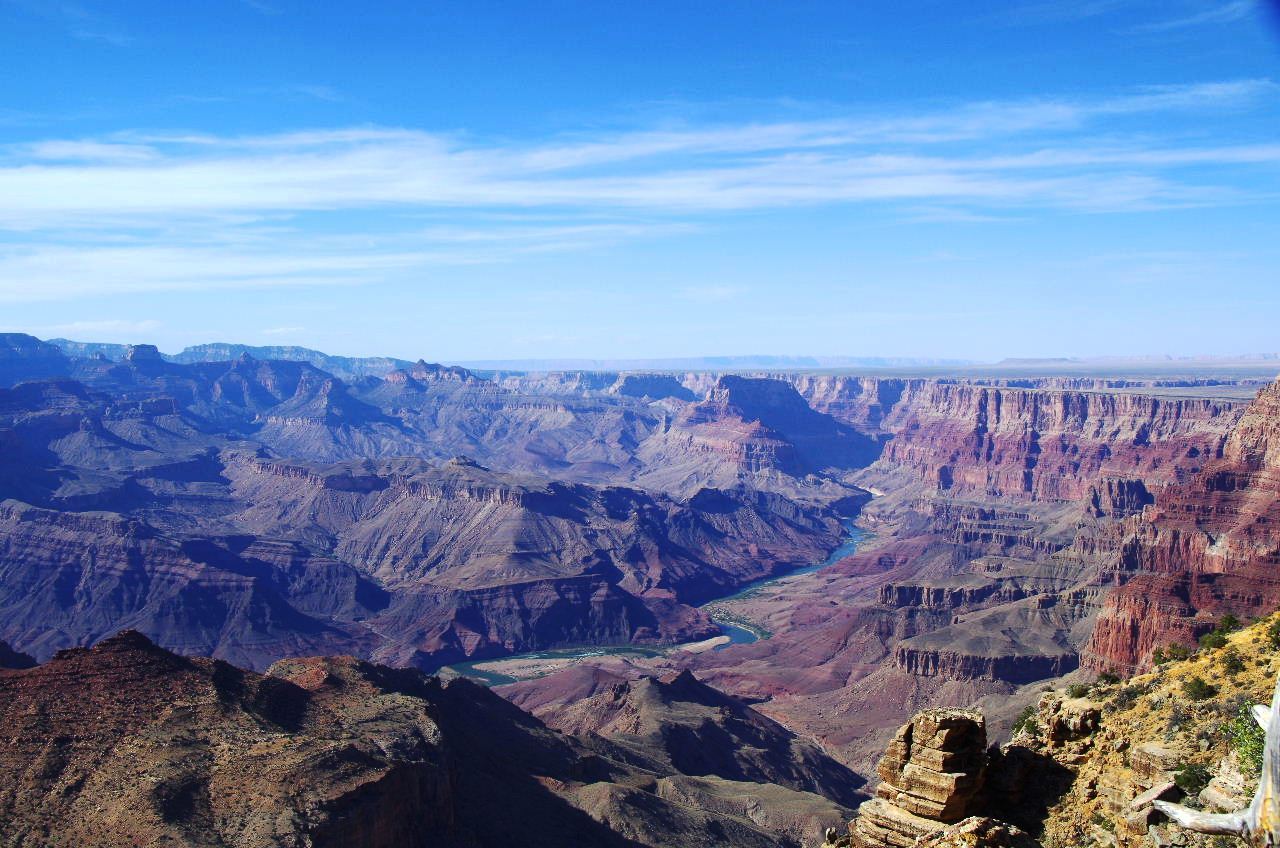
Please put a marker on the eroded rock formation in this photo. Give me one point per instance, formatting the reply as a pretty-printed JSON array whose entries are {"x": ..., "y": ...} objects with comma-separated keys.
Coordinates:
[
  {"x": 675, "y": 721},
  {"x": 931, "y": 776},
  {"x": 128, "y": 744}
]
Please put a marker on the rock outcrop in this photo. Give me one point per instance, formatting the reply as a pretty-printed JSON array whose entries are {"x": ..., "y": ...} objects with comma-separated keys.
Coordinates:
[
  {"x": 24, "y": 358},
  {"x": 931, "y": 776},
  {"x": 978, "y": 832},
  {"x": 1181, "y": 734}
]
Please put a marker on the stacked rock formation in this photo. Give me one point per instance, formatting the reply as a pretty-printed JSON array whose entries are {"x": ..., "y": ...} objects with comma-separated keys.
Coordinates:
[{"x": 932, "y": 774}]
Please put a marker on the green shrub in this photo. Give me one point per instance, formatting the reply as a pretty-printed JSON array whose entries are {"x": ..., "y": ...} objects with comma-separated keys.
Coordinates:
[
  {"x": 1192, "y": 778},
  {"x": 1158, "y": 657},
  {"x": 1273, "y": 634},
  {"x": 1026, "y": 720},
  {"x": 1198, "y": 690},
  {"x": 1177, "y": 652},
  {"x": 1108, "y": 678},
  {"x": 1232, "y": 662},
  {"x": 1228, "y": 624},
  {"x": 1212, "y": 640},
  {"x": 1247, "y": 738},
  {"x": 1077, "y": 690},
  {"x": 1127, "y": 696}
]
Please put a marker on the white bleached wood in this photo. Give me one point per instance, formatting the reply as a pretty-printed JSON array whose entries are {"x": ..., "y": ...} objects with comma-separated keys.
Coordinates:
[{"x": 1259, "y": 823}]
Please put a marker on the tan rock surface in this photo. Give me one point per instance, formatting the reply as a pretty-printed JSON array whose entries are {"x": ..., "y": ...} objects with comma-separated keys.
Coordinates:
[{"x": 931, "y": 776}]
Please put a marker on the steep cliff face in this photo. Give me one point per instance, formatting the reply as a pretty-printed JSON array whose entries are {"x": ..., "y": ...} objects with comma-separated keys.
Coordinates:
[
  {"x": 24, "y": 358},
  {"x": 863, "y": 402},
  {"x": 754, "y": 431},
  {"x": 128, "y": 744},
  {"x": 1049, "y": 444},
  {"x": 1207, "y": 547}
]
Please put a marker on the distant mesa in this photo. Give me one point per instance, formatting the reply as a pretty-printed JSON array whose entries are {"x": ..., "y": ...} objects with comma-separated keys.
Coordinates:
[{"x": 143, "y": 353}]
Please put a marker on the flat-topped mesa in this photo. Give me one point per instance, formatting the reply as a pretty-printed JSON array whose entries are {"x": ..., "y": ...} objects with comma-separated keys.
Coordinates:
[
  {"x": 651, "y": 386},
  {"x": 431, "y": 372},
  {"x": 932, "y": 775},
  {"x": 143, "y": 353}
]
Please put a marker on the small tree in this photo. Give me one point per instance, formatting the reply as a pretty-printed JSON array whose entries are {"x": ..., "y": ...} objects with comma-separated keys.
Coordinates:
[
  {"x": 1026, "y": 720},
  {"x": 1077, "y": 690},
  {"x": 1247, "y": 738},
  {"x": 1197, "y": 689},
  {"x": 1212, "y": 640}
]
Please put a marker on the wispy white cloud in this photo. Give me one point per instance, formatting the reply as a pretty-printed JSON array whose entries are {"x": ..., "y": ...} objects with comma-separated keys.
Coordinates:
[
  {"x": 308, "y": 91},
  {"x": 752, "y": 166},
  {"x": 89, "y": 328},
  {"x": 1218, "y": 13},
  {"x": 148, "y": 211},
  {"x": 78, "y": 20}
]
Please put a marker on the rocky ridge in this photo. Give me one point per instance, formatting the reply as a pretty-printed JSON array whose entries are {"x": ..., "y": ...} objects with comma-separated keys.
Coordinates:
[
  {"x": 128, "y": 744},
  {"x": 678, "y": 722}
]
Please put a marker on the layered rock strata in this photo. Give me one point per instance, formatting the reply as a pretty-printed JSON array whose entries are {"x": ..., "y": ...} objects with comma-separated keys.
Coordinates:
[
  {"x": 931, "y": 775},
  {"x": 1207, "y": 547}
]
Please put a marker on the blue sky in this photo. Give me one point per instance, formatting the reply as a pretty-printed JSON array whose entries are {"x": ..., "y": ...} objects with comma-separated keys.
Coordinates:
[{"x": 486, "y": 180}]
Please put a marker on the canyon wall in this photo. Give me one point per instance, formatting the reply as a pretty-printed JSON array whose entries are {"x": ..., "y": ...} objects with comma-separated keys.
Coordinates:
[
  {"x": 1048, "y": 444},
  {"x": 1207, "y": 547}
]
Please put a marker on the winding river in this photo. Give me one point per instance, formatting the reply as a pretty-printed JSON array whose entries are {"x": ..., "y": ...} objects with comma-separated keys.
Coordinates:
[{"x": 738, "y": 630}]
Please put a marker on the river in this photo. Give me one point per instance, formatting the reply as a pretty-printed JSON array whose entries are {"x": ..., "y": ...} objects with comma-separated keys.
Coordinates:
[{"x": 739, "y": 631}]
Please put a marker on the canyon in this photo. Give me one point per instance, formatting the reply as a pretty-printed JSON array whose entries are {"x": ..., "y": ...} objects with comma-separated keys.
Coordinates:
[{"x": 256, "y": 510}]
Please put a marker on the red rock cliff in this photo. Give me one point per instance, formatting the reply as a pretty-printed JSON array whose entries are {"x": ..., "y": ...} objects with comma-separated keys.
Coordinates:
[
  {"x": 1048, "y": 439},
  {"x": 1208, "y": 547}
]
